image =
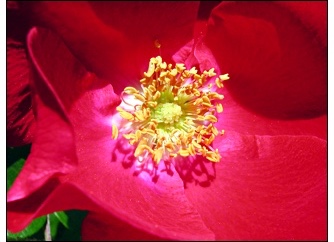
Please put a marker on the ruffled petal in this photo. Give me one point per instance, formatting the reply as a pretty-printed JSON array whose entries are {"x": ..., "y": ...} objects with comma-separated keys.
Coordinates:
[
  {"x": 115, "y": 40},
  {"x": 264, "y": 188},
  {"x": 274, "y": 54}
]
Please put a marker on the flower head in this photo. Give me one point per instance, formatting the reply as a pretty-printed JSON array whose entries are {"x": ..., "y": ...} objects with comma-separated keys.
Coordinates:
[
  {"x": 174, "y": 113},
  {"x": 270, "y": 182}
]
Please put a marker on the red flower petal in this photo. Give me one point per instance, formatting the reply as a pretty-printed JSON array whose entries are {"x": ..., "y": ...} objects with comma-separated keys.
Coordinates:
[
  {"x": 54, "y": 136},
  {"x": 265, "y": 188},
  {"x": 158, "y": 207},
  {"x": 275, "y": 55},
  {"x": 102, "y": 174},
  {"x": 99, "y": 227},
  {"x": 115, "y": 40},
  {"x": 84, "y": 110},
  {"x": 239, "y": 119},
  {"x": 312, "y": 15},
  {"x": 106, "y": 172},
  {"x": 20, "y": 116},
  {"x": 205, "y": 8}
]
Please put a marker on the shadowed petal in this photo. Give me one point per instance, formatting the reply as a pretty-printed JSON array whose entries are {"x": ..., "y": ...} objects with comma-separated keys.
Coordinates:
[
  {"x": 99, "y": 227},
  {"x": 20, "y": 116},
  {"x": 116, "y": 39},
  {"x": 275, "y": 54},
  {"x": 312, "y": 15},
  {"x": 238, "y": 118}
]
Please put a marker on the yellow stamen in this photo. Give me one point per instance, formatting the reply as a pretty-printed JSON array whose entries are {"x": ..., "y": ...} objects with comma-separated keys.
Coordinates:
[
  {"x": 184, "y": 152},
  {"x": 176, "y": 113},
  {"x": 157, "y": 44},
  {"x": 224, "y": 77},
  {"x": 219, "y": 108},
  {"x": 157, "y": 154},
  {"x": 139, "y": 97},
  {"x": 124, "y": 114},
  {"x": 219, "y": 83},
  {"x": 130, "y": 90},
  {"x": 114, "y": 132}
]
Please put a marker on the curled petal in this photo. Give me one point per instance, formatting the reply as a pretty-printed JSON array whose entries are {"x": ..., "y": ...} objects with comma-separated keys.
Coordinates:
[{"x": 53, "y": 137}]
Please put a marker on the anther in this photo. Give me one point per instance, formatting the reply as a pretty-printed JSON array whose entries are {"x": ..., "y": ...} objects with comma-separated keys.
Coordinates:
[{"x": 176, "y": 113}]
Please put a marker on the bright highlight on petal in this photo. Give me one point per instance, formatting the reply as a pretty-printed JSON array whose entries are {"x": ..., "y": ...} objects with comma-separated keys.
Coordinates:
[{"x": 173, "y": 114}]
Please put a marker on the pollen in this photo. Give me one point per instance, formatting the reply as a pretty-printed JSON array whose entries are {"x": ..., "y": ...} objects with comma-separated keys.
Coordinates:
[
  {"x": 168, "y": 113},
  {"x": 114, "y": 132},
  {"x": 173, "y": 113}
]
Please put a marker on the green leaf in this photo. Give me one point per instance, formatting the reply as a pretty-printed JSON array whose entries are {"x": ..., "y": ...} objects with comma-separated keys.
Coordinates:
[
  {"x": 63, "y": 218},
  {"x": 73, "y": 233},
  {"x": 15, "y": 153},
  {"x": 13, "y": 171},
  {"x": 15, "y": 158},
  {"x": 54, "y": 224},
  {"x": 33, "y": 228},
  {"x": 57, "y": 218}
]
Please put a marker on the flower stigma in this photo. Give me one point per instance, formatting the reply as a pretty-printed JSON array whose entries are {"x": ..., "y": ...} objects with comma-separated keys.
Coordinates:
[{"x": 173, "y": 114}]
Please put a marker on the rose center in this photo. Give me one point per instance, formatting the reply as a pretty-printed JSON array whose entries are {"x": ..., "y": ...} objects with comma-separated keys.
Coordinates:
[
  {"x": 173, "y": 114},
  {"x": 168, "y": 113}
]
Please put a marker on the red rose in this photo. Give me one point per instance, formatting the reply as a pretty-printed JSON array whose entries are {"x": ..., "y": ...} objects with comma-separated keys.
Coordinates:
[{"x": 270, "y": 182}]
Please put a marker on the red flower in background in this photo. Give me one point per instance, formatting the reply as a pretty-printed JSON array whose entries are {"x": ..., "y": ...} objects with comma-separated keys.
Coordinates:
[{"x": 271, "y": 180}]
